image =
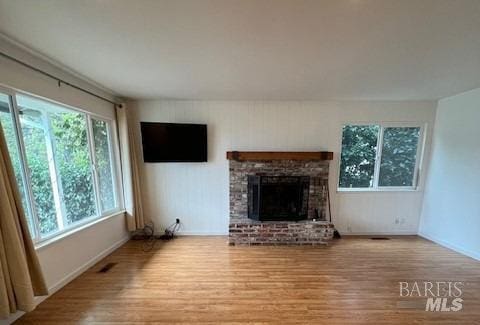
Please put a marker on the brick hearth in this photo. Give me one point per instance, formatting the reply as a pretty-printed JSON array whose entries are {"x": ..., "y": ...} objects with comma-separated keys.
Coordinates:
[{"x": 280, "y": 233}]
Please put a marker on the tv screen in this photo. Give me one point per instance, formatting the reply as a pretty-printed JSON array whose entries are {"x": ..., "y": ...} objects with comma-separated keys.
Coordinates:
[{"x": 173, "y": 142}]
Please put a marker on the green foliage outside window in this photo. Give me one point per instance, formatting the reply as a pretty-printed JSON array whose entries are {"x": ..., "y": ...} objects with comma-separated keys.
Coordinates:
[
  {"x": 399, "y": 154},
  {"x": 73, "y": 162},
  {"x": 59, "y": 168},
  {"x": 359, "y": 156},
  {"x": 6, "y": 122},
  {"x": 103, "y": 166},
  {"x": 359, "y": 148},
  {"x": 37, "y": 162}
]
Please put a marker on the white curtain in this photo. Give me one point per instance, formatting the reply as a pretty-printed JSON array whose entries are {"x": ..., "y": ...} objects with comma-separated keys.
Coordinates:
[{"x": 130, "y": 170}]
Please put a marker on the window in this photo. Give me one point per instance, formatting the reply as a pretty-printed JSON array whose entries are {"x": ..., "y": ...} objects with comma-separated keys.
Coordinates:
[
  {"x": 9, "y": 131},
  {"x": 103, "y": 164},
  {"x": 380, "y": 156},
  {"x": 62, "y": 160}
]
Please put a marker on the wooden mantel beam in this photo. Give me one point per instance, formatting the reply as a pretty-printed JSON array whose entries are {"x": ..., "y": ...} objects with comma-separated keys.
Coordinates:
[{"x": 279, "y": 155}]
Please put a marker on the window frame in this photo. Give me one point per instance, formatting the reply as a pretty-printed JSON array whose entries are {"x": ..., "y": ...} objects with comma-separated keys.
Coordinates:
[
  {"x": 378, "y": 157},
  {"x": 114, "y": 160},
  {"x": 114, "y": 153}
]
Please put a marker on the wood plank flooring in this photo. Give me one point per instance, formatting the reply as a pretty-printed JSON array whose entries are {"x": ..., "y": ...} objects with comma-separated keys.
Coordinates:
[{"x": 195, "y": 280}]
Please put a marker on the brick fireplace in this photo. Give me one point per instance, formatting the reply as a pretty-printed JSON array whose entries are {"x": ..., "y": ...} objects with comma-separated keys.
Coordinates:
[{"x": 279, "y": 198}]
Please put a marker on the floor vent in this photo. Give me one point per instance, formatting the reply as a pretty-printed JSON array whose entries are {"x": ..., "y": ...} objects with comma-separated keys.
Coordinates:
[
  {"x": 107, "y": 267},
  {"x": 380, "y": 238}
]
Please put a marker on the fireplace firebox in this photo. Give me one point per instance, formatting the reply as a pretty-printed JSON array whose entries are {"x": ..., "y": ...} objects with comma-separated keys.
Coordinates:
[{"x": 278, "y": 198}]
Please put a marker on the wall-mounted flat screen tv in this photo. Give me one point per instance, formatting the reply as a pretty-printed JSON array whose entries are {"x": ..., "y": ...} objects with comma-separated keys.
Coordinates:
[{"x": 173, "y": 142}]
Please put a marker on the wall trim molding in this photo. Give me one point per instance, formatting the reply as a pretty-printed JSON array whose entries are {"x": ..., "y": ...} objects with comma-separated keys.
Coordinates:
[
  {"x": 449, "y": 245},
  {"x": 81, "y": 269},
  {"x": 380, "y": 233},
  {"x": 71, "y": 232},
  {"x": 356, "y": 233},
  {"x": 203, "y": 233}
]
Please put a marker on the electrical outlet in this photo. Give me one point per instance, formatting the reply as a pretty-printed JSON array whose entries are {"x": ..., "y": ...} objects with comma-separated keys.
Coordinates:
[{"x": 397, "y": 221}]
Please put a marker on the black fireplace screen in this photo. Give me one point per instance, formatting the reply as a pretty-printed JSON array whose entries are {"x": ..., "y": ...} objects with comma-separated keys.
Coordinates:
[{"x": 278, "y": 198}]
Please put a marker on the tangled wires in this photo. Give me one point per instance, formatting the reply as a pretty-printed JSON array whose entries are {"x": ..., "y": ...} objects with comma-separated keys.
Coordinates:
[
  {"x": 171, "y": 230},
  {"x": 147, "y": 234}
]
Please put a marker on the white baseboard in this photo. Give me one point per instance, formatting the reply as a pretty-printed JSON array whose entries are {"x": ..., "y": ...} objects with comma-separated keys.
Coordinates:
[
  {"x": 69, "y": 277},
  {"x": 454, "y": 247},
  {"x": 12, "y": 318},
  {"x": 202, "y": 233},
  {"x": 379, "y": 233}
]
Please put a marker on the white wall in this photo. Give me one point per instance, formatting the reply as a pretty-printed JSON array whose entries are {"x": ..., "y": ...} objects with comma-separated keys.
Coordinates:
[
  {"x": 70, "y": 256},
  {"x": 197, "y": 193},
  {"x": 451, "y": 209},
  {"x": 64, "y": 259}
]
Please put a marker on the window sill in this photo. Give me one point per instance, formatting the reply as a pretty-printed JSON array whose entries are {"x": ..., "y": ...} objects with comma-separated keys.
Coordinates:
[
  {"x": 68, "y": 232},
  {"x": 377, "y": 190}
]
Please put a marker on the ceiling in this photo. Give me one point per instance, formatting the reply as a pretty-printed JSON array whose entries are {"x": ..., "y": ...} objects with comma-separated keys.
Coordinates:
[{"x": 258, "y": 49}]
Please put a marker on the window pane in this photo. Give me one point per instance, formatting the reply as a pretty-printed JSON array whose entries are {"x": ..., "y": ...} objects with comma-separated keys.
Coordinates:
[
  {"x": 359, "y": 149},
  {"x": 69, "y": 132},
  {"x": 103, "y": 164},
  {"x": 40, "y": 164},
  {"x": 58, "y": 158},
  {"x": 399, "y": 154},
  {"x": 6, "y": 120}
]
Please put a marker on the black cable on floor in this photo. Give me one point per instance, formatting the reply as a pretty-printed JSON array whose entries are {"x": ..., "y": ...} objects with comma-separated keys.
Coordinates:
[{"x": 147, "y": 234}]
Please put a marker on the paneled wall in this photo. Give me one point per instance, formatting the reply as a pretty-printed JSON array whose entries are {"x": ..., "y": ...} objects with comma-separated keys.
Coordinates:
[{"x": 197, "y": 193}]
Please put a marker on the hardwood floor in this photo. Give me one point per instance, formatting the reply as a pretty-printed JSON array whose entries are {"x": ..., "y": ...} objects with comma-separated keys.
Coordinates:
[{"x": 195, "y": 280}]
